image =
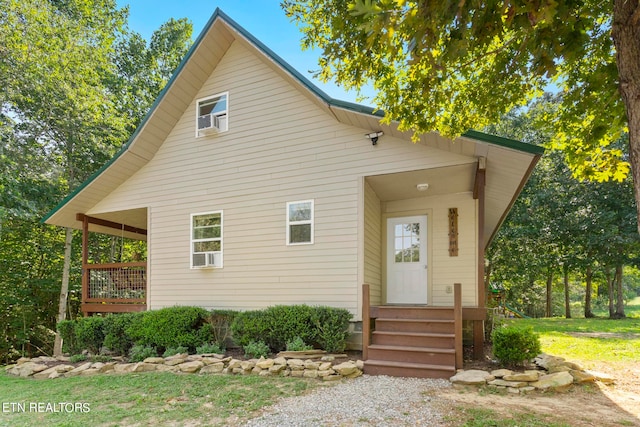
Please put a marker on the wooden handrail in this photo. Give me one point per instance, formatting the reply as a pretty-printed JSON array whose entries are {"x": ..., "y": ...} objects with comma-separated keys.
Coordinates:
[
  {"x": 115, "y": 265},
  {"x": 457, "y": 317},
  {"x": 366, "y": 321}
]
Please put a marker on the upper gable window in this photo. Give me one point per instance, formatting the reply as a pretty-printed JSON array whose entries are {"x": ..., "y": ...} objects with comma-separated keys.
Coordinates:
[{"x": 212, "y": 114}]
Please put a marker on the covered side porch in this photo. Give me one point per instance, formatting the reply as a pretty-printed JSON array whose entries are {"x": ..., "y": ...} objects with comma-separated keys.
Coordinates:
[{"x": 114, "y": 287}]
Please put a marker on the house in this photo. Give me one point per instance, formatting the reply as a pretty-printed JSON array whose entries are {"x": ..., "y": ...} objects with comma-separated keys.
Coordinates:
[{"x": 253, "y": 188}]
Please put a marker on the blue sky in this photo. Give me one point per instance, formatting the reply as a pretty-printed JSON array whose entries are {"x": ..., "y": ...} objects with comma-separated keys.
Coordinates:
[{"x": 262, "y": 18}]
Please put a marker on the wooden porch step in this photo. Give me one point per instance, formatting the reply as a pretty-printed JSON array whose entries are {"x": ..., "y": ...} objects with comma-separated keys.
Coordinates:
[
  {"x": 412, "y": 312},
  {"x": 444, "y": 326},
  {"x": 403, "y": 369},
  {"x": 397, "y": 353},
  {"x": 413, "y": 339}
]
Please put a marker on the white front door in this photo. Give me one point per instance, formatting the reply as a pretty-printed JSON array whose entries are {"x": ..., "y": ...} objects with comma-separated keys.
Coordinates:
[{"x": 407, "y": 260}]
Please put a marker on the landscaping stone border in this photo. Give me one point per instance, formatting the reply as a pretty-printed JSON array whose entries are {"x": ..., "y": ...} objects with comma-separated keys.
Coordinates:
[
  {"x": 325, "y": 368},
  {"x": 551, "y": 373}
]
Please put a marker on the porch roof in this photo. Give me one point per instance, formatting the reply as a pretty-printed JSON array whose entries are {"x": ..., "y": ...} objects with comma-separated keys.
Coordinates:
[{"x": 509, "y": 162}]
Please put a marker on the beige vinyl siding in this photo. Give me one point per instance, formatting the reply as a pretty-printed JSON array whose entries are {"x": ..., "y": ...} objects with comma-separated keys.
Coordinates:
[
  {"x": 280, "y": 147},
  {"x": 445, "y": 270},
  {"x": 372, "y": 244}
]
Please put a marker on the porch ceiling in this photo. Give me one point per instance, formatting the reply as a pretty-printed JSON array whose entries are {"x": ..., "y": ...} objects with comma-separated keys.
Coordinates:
[
  {"x": 132, "y": 217},
  {"x": 444, "y": 180}
]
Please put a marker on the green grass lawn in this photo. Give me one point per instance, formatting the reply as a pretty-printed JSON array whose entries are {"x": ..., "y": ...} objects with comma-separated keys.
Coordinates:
[
  {"x": 142, "y": 399},
  {"x": 591, "y": 341}
]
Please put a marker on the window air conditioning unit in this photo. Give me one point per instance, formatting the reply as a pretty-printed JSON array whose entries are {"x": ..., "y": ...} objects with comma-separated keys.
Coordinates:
[
  {"x": 203, "y": 260},
  {"x": 208, "y": 124}
]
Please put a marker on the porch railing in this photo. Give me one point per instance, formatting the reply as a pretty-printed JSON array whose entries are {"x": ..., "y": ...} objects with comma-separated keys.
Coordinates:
[{"x": 114, "y": 287}]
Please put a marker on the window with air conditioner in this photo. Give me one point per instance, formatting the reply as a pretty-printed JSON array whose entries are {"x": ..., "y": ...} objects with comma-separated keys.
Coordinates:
[
  {"x": 300, "y": 222},
  {"x": 212, "y": 115},
  {"x": 206, "y": 240}
]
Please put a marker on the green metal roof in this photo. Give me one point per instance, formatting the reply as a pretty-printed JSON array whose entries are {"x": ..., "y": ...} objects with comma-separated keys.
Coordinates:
[{"x": 358, "y": 108}]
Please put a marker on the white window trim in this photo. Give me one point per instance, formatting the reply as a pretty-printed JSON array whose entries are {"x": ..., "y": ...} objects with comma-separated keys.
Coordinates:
[
  {"x": 309, "y": 221},
  {"x": 206, "y": 98},
  {"x": 192, "y": 240}
]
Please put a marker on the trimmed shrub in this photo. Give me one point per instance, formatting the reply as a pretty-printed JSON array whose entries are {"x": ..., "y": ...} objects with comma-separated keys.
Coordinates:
[
  {"x": 116, "y": 338},
  {"x": 256, "y": 349},
  {"x": 297, "y": 344},
  {"x": 179, "y": 326},
  {"x": 513, "y": 346},
  {"x": 90, "y": 333},
  {"x": 220, "y": 322},
  {"x": 172, "y": 351},
  {"x": 322, "y": 327},
  {"x": 209, "y": 349},
  {"x": 67, "y": 330},
  {"x": 331, "y": 328},
  {"x": 140, "y": 352}
]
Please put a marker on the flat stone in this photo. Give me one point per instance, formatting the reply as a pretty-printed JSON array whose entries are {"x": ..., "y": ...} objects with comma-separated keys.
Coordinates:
[
  {"x": 191, "y": 367},
  {"x": 499, "y": 373},
  {"x": 310, "y": 364},
  {"x": 44, "y": 374},
  {"x": 154, "y": 360},
  {"x": 513, "y": 390},
  {"x": 90, "y": 372},
  {"x": 177, "y": 356},
  {"x": 44, "y": 359},
  {"x": 97, "y": 365},
  {"x": 556, "y": 381},
  {"x": 265, "y": 373},
  {"x": 357, "y": 373},
  {"x": 144, "y": 367},
  {"x": 211, "y": 360},
  {"x": 527, "y": 389},
  {"x": 602, "y": 377},
  {"x": 525, "y": 376},
  {"x": 346, "y": 368},
  {"x": 167, "y": 368},
  {"x": 63, "y": 359},
  {"x": 325, "y": 372},
  {"x": 505, "y": 383},
  {"x": 122, "y": 368},
  {"x": 581, "y": 377},
  {"x": 297, "y": 374},
  {"x": 109, "y": 366},
  {"x": 327, "y": 358},
  {"x": 247, "y": 365},
  {"x": 22, "y": 360},
  {"x": 472, "y": 377},
  {"x": 193, "y": 357},
  {"x": 256, "y": 370},
  {"x": 558, "y": 368},
  {"x": 265, "y": 363},
  {"x": 325, "y": 366},
  {"x": 173, "y": 361},
  {"x": 276, "y": 369},
  {"x": 295, "y": 364},
  {"x": 78, "y": 370},
  {"x": 280, "y": 361},
  {"x": 310, "y": 373}
]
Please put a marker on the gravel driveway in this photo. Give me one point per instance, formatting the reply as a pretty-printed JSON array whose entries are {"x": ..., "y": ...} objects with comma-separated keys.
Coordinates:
[{"x": 364, "y": 401}]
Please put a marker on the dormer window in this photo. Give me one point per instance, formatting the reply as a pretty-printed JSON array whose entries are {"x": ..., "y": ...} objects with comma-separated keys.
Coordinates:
[{"x": 212, "y": 115}]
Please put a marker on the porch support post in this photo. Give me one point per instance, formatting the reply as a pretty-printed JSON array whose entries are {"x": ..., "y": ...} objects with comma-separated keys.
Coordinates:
[
  {"x": 457, "y": 316},
  {"x": 85, "y": 259},
  {"x": 478, "y": 194},
  {"x": 366, "y": 321}
]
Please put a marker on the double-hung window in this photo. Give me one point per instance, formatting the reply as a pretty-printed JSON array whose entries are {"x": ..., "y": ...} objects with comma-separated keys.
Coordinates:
[
  {"x": 212, "y": 114},
  {"x": 300, "y": 222},
  {"x": 206, "y": 240}
]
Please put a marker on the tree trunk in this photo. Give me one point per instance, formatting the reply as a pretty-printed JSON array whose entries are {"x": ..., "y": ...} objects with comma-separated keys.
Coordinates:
[
  {"x": 64, "y": 289},
  {"x": 626, "y": 38},
  {"x": 610, "y": 279},
  {"x": 567, "y": 301},
  {"x": 549, "y": 307},
  {"x": 620, "y": 294},
  {"x": 588, "y": 291}
]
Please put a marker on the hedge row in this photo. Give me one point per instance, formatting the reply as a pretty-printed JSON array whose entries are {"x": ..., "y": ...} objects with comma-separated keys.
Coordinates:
[
  {"x": 192, "y": 327},
  {"x": 321, "y": 327},
  {"x": 171, "y": 327}
]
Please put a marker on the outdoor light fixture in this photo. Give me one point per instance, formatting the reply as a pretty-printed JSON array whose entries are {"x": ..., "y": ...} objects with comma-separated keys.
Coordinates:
[
  {"x": 422, "y": 187},
  {"x": 373, "y": 136}
]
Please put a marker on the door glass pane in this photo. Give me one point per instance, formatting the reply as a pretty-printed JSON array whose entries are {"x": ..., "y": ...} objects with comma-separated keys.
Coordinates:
[{"x": 407, "y": 242}]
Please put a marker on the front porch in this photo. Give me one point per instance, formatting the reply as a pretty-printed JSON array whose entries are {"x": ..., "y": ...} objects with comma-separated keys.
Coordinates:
[{"x": 415, "y": 340}]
